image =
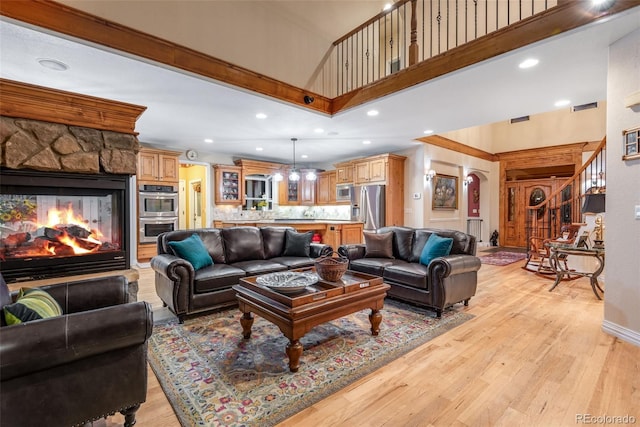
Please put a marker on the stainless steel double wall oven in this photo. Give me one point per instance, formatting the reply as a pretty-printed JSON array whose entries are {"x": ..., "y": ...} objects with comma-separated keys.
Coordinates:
[{"x": 158, "y": 210}]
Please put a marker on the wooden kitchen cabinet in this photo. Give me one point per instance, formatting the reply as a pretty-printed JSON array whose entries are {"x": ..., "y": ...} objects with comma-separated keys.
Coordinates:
[
  {"x": 307, "y": 191},
  {"x": 371, "y": 170},
  {"x": 288, "y": 192},
  {"x": 326, "y": 187},
  {"x": 157, "y": 166},
  {"x": 342, "y": 234},
  {"x": 351, "y": 234},
  {"x": 229, "y": 185},
  {"x": 344, "y": 173},
  {"x": 293, "y": 193},
  {"x": 387, "y": 170}
]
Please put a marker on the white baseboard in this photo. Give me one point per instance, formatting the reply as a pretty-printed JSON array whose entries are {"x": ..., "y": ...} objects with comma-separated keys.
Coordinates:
[{"x": 623, "y": 333}]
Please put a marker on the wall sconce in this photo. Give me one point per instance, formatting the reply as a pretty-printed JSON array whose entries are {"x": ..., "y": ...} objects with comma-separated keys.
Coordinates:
[
  {"x": 430, "y": 175},
  {"x": 468, "y": 180}
]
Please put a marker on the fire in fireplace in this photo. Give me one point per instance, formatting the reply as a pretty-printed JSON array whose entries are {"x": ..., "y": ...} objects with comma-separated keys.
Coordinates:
[{"x": 58, "y": 224}]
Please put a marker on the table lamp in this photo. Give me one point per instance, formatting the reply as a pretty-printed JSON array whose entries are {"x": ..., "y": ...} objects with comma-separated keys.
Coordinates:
[{"x": 595, "y": 204}]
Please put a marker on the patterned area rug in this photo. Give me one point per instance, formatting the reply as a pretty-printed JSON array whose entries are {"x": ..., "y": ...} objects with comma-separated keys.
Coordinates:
[
  {"x": 502, "y": 258},
  {"x": 213, "y": 377}
]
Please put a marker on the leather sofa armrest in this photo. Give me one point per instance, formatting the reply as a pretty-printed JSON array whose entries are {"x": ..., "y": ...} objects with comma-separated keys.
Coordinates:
[
  {"x": 453, "y": 264},
  {"x": 320, "y": 249},
  {"x": 90, "y": 294},
  {"x": 355, "y": 251},
  {"x": 46, "y": 343},
  {"x": 168, "y": 266}
]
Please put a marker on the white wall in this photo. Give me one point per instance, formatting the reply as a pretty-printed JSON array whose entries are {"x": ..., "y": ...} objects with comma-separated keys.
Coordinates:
[
  {"x": 419, "y": 212},
  {"x": 622, "y": 235},
  {"x": 541, "y": 130},
  {"x": 263, "y": 36}
]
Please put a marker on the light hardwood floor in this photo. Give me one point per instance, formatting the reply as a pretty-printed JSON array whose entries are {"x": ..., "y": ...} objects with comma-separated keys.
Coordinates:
[{"x": 529, "y": 358}]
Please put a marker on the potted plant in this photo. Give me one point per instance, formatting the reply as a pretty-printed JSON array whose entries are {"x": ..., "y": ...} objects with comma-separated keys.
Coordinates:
[{"x": 262, "y": 204}]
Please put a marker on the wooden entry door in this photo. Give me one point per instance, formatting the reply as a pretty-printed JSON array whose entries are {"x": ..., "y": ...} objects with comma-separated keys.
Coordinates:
[{"x": 519, "y": 195}]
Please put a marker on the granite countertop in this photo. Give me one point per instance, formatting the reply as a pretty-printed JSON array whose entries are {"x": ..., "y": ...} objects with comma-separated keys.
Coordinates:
[{"x": 290, "y": 221}]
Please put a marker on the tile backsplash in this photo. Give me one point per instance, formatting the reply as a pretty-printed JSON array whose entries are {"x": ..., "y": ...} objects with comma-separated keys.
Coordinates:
[{"x": 329, "y": 212}]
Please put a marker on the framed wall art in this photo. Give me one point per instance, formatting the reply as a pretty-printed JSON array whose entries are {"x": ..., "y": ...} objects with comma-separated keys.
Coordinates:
[
  {"x": 445, "y": 192},
  {"x": 631, "y": 144}
]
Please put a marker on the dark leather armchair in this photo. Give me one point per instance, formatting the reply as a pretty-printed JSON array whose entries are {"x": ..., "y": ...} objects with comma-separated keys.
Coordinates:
[{"x": 84, "y": 365}]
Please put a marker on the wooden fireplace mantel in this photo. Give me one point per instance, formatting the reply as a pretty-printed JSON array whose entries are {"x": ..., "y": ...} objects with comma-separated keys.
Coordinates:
[{"x": 51, "y": 105}]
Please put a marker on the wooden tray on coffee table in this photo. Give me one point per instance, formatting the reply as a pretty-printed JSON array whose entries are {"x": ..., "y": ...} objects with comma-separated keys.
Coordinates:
[{"x": 351, "y": 281}]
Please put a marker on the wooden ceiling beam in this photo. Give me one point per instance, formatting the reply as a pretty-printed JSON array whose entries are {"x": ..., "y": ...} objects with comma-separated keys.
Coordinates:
[
  {"x": 72, "y": 22},
  {"x": 449, "y": 144}
]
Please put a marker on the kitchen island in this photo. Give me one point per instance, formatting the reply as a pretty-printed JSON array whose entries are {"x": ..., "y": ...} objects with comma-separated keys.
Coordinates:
[{"x": 332, "y": 232}]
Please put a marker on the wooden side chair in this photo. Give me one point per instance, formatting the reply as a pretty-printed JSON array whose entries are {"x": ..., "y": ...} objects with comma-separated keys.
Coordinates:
[{"x": 539, "y": 255}]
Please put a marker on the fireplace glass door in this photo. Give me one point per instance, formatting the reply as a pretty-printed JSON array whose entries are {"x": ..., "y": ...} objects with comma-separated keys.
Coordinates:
[
  {"x": 39, "y": 225},
  {"x": 61, "y": 224}
]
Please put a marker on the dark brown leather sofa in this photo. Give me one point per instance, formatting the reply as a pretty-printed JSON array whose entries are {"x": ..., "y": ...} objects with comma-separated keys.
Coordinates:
[
  {"x": 445, "y": 281},
  {"x": 237, "y": 252},
  {"x": 82, "y": 366}
]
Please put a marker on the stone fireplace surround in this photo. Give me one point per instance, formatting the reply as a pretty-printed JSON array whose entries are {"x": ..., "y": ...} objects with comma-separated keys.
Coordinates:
[
  {"x": 43, "y": 129},
  {"x": 47, "y": 146}
]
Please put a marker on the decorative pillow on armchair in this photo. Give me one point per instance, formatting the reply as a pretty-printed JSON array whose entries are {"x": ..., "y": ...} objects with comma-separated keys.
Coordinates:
[
  {"x": 31, "y": 304},
  {"x": 435, "y": 247},
  {"x": 193, "y": 250},
  {"x": 297, "y": 244},
  {"x": 378, "y": 245}
]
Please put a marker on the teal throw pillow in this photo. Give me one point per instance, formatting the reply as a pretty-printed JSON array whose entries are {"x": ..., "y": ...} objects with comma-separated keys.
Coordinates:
[
  {"x": 31, "y": 304},
  {"x": 193, "y": 250},
  {"x": 435, "y": 247}
]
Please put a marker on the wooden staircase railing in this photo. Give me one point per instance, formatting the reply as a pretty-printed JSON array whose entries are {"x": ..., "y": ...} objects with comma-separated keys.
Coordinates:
[
  {"x": 412, "y": 31},
  {"x": 564, "y": 206}
]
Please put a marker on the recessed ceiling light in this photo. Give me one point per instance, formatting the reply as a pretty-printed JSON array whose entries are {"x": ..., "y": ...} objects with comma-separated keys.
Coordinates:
[
  {"x": 372, "y": 113},
  {"x": 261, "y": 116},
  {"x": 601, "y": 4},
  {"x": 304, "y": 156},
  {"x": 259, "y": 148},
  {"x": 528, "y": 63},
  {"x": 318, "y": 130},
  {"x": 366, "y": 142},
  {"x": 208, "y": 141},
  {"x": 427, "y": 132},
  {"x": 53, "y": 64},
  {"x": 562, "y": 103}
]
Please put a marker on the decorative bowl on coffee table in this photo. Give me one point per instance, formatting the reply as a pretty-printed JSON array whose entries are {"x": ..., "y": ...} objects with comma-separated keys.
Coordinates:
[{"x": 287, "y": 282}]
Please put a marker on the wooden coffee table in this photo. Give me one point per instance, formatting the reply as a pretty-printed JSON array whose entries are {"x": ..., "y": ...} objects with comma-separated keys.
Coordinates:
[{"x": 322, "y": 302}]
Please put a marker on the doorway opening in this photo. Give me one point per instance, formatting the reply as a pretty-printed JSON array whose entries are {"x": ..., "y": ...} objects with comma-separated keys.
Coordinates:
[{"x": 193, "y": 196}]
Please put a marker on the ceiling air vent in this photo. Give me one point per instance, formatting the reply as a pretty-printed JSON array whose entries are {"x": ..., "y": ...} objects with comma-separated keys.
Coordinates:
[
  {"x": 520, "y": 119},
  {"x": 585, "y": 106}
]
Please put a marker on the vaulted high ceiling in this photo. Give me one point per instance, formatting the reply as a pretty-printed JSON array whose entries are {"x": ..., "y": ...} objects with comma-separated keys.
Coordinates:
[{"x": 183, "y": 109}]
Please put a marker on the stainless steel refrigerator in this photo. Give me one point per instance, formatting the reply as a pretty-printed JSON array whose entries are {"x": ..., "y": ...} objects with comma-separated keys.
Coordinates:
[{"x": 367, "y": 205}]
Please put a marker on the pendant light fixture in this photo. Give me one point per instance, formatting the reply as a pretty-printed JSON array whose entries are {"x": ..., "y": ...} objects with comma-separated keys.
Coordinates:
[{"x": 293, "y": 174}]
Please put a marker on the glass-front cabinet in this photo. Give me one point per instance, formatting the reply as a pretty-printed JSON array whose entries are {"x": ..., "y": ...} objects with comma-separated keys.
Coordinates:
[
  {"x": 229, "y": 185},
  {"x": 289, "y": 192}
]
